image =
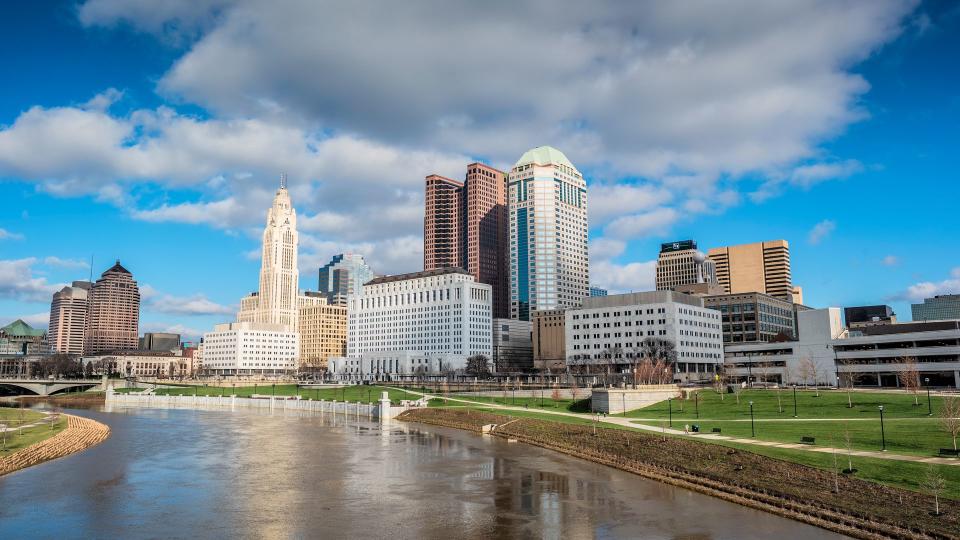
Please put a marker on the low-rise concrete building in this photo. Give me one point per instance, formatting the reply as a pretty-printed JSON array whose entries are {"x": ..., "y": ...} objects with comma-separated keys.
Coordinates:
[
  {"x": 152, "y": 364},
  {"x": 549, "y": 340},
  {"x": 247, "y": 348},
  {"x": 394, "y": 366},
  {"x": 752, "y": 316},
  {"x": 512, "y": 346}
]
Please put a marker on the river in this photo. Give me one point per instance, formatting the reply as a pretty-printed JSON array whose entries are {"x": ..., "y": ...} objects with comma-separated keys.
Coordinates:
[{"x": 248, "y": 474}]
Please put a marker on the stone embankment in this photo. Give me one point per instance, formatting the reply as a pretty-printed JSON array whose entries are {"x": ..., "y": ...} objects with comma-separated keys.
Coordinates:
[
  {"x": 858, "y": 508},
  {"x": 80, "y": 434}
]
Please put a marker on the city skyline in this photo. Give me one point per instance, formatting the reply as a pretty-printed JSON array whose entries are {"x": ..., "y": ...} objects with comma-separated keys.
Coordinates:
[{"x": 190, "y": 232}]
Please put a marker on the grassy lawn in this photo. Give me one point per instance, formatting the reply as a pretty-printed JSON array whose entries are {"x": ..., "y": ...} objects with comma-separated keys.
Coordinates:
[
  {"x": 348, "y": 393},
  {"x": 15, "y": 440},
  {"x": 567, "y": 405},
  {"x": 907, "y": 428}
]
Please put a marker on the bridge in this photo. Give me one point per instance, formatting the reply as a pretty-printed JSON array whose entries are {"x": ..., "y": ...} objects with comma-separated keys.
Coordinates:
[{"x": 47, "y": 387}]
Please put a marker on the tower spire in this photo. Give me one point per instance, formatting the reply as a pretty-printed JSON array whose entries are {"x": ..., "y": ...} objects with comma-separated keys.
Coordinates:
[{"x": 283, "y": 180}]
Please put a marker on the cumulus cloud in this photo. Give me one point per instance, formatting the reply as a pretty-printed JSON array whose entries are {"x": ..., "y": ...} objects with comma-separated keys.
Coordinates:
[
  {"x": 7, "y": 235},
  {"x": 620, "y": 278},
  {"x": 927, "y": 289},
  {"x": 186, "y": 333},
  {"x": 820, "y": 231},
  {"x": 197, "y": 304},
  {"x": 655, "y": 222},
  {"x": 17, "y": 281},
  {"x": 65, "y": 263}
]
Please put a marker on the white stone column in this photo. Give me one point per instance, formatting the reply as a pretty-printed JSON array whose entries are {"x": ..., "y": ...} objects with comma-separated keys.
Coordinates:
[{"x": 384, "y": 409}]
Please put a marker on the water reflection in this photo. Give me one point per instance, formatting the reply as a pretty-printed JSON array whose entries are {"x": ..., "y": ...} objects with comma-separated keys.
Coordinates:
[{"x": 282, "y": 474}]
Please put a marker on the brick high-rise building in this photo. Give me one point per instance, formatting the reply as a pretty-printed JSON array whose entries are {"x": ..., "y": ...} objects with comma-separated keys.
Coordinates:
[
  {"x": 762, "y": 267},
  {"x": 465, "y": 225},
  {"x": 68, "y": 318},
  {"x": 113, "y": 319}
]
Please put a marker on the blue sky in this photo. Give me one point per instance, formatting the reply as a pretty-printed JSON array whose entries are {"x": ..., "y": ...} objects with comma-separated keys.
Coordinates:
[{"x": 155, "y": 135}]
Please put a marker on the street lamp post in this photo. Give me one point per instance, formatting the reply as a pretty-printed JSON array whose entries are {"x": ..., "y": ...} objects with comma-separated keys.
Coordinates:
[
  {"x": 753, "y": 432},
  {"x": 926, "y": 381},
  {"x": 883, "y": 437},
  {"x": 623, "y": 397},
  {"x": 670, "y": 409},
  {"x": 696, "y": 403},
  {"x": 794, "y": 400}
]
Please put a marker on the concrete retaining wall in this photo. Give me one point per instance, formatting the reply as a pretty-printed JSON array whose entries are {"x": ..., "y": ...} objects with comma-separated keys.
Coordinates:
[
  {"x": 565, "y": 393},
  {"x": 375, "y": 411},
  {"x": 616, "y": 400}
]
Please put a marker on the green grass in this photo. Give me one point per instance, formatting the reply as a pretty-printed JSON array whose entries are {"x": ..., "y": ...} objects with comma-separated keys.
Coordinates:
[
  {"x": 565, "y": 405},
  {"x": 15, "y": 440},
  {"x": 907, "y": 428},
  {"x": 349, "y": 393}
]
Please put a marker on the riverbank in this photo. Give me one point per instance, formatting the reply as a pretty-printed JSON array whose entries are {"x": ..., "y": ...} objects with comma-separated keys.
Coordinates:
[
  {"x": 80, "y": 399},
  {"x": 858, "y": 508},
  {"x": 80, "y": 434}
]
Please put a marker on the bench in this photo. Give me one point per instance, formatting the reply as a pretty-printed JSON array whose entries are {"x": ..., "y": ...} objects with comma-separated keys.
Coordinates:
[
  {"x": 949, "y": 452},
  {"x": 715, "y": 430},
  {"x": 808, "y": 440}
]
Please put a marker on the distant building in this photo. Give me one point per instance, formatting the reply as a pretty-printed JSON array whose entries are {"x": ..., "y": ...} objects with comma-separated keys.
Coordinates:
[
  {"x": 246, "y": 348},
  {"x": 275, "y": 301},
  {"x": 939, "y": 308},
  {"x": 344, "y": 275},
  {"x": 441, "y": 312},
  {"x": 113, "y": 319},
  {"x": 68, "y": 318},
  {"x": 142, "y": 364},
  {"x": 681, "y": 263},
  {"x": 807, "y": 360},
  {"x": 549, "y": 266},
  {"x": 323, "y": 332},
  {"x": 465, "y": 226},
  {"x": 512, "y": 347},
  {"x": 159, "y": 341},
  {"x": 597, "y": 291},
  {"x": 874, "y": 355},
  {"x": 20, "y": 345},
  {"x": 751, "y": 317},
  {"x": 860, "y": 316},
  {"x": 609, "y": 333},
  {"x": 759, "y": 267},
  {"x": 549, "y": 340}
]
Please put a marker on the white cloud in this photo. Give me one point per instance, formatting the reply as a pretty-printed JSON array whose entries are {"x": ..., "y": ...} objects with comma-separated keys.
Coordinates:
[
  {"x": 65, "y": 263},
  {"x": 928, "y": 289},
  {"x": 655, "y": 222},
  {"x": 37, "y": 320},
  {"x": 820, "y": 231},
  {"x": 17, "y": 282},
  {"x": 197, "y": 304},
  {"x": 186, "y": 333},
  {"x": 890, "y": 260},
  {"x": 7, "y": 235},
  {"x": 807, "y": 176},
  {"x": 620, "y": 278}
]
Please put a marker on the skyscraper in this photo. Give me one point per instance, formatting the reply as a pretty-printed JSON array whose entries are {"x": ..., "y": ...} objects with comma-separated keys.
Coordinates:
[
  {"x": 465, "y": 226},
  {"x": 113, "y": 319},
  {"x": 549, "y": 267},
  {"x": 344, "y": 275},
  {"x": 681, "y": 263},
  {"x": 759, "y": 267},
  {"x": 276, "y": 300},
  {"x": 68, "y": 318}
]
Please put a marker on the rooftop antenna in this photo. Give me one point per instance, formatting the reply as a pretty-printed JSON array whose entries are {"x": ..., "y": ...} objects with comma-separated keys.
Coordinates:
[{"x": 283, "y": 180}]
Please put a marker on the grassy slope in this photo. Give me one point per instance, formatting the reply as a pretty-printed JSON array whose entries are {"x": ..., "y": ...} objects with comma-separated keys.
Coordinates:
[
  {"x": 348, "y": 393},
  {"x": 15, "y": 441}
]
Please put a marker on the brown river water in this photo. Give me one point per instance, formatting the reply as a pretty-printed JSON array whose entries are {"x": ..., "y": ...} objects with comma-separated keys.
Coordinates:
[{"x": 247, "y": 474}]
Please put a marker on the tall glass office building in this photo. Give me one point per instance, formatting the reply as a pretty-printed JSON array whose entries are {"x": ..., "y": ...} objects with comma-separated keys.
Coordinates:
[
  {"x": 549, "y": 268},
  {"x": 344, "y": 275},
  {"x": 939, "y": 308}
]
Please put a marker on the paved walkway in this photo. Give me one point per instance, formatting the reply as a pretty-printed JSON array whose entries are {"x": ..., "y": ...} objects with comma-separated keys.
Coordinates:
[{"x": 630, "y": 423}]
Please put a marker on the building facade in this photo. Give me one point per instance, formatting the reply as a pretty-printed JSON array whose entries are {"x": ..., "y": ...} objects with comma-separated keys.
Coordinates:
[
  {"x": 549, "y": 265},
  {"x": 395, "y": 365},
  {"x": 323, "y": 332},
  {"x": 246, "y": 348},
  {"x": 759, "y": 267},
  {"x": 344, "y": 275},
  {"x": 860, "y": 316},
  {"x": 512, "y": 346},
  {"x": 276, "y": 300},
  {"x": 113, "y": 316},
  {"x": 750, "y": 317},
  {"x": 609, "y": 333},
  {"x": 547, "y": 332},
  {"x": 159, "y": 341},
  {"x": 68, "y": 318},
  {"x": 681, "y": 263},
  {"x": 465, "y": 226},
  {"x": 597, "y": 291},
  {"x": 437, "y": 312},
  {"x": 939, "y": 308},
  {"x": 143, "y": 364}
]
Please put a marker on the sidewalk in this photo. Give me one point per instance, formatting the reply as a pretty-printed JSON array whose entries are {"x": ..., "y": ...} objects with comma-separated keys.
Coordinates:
[{"x": 629, "y": 423}]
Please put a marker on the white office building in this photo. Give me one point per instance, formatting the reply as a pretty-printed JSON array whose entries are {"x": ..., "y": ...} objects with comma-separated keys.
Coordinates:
[
  {"x": 247, "y": 348},
  {"x": 441, "y": 314},
  {"x": 549, "y": 268},
  {"x": 609, "y": 331}
]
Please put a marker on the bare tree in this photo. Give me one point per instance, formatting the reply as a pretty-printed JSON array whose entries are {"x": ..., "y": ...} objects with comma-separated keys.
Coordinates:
[
  {"x": 849, "y": 379},
  {"x": 808, "y": 371},
  {"x": 950, "y": 417},
  {"x": 848, "y": 445},
  {"x": 934, "y": 484},
  {"x": 478, "y": 365},
  {"x": 909, "y": 376}
]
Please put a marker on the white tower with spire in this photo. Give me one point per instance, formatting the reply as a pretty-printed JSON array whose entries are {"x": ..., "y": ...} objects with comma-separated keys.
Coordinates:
[{"x": 276, "y": 300}]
